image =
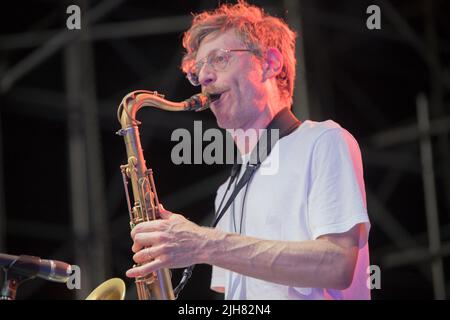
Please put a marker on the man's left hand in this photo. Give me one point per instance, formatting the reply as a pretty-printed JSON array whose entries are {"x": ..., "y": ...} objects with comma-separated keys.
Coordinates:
[{"x": 169, "y": 242}]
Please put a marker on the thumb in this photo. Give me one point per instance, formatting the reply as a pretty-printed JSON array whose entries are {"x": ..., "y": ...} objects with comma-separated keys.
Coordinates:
[{"x": 164, "y": 213}]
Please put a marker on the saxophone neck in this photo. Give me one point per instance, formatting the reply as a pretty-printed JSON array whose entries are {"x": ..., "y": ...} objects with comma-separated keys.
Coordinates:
[{"x": 135, "y": 100}]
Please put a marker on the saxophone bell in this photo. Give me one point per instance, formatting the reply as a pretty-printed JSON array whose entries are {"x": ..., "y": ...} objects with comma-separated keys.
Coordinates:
[{"x": 113, "y": 289}]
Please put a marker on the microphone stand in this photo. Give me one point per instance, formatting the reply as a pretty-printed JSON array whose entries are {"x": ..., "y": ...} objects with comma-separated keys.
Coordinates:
[{"x": 14, "y": 275}]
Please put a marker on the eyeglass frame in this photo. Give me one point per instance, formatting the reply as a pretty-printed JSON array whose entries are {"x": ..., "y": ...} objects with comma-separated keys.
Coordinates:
[{"x": 189, "y": 75}]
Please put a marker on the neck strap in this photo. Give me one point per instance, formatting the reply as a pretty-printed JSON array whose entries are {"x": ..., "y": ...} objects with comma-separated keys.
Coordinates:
[{"x": 286, "y": 122}]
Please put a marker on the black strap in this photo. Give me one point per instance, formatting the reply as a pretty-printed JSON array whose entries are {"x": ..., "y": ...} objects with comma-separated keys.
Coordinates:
[{"x": 286, "y": 123}]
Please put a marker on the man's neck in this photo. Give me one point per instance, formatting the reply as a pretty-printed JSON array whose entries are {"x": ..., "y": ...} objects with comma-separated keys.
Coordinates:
[{"x": 246, "y": 138}]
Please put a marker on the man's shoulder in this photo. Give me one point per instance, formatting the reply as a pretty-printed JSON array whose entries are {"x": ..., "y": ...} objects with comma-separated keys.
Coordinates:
[
  {"x": 320, "y": 126},
  {"x": 310, "y": 131},
  {"x": 314, "y": 135}
]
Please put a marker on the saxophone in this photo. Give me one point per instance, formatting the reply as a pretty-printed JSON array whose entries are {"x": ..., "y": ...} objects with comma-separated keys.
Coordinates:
[{"x": 158, "y": 285}]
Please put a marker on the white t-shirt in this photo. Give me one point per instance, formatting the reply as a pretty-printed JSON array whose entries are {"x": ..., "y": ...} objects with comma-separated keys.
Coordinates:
[{"x": 318, "y": 189}]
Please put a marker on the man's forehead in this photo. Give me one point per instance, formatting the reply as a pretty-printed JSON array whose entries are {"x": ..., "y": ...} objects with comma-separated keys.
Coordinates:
[{"x": 213, "y": 41}]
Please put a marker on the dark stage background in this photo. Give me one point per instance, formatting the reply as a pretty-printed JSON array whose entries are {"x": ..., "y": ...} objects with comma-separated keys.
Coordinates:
[{"x": 60, "y": 186}]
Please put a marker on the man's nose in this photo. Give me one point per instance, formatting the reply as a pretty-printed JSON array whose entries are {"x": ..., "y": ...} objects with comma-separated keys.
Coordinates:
[{"x": 207, "y": 75}]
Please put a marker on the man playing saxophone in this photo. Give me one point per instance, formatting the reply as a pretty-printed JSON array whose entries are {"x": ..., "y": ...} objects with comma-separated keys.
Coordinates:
[{"x": 301, "y": 233}]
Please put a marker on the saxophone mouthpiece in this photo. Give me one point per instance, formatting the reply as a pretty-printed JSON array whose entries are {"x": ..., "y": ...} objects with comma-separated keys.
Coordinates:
[{"x": 198, "y": 102}]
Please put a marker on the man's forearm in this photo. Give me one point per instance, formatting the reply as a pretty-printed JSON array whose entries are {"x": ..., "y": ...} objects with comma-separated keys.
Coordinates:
[{"x": 315, "y": 263}]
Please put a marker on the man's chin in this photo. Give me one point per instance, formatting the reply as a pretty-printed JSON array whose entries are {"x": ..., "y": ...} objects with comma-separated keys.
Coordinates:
[
  {"x": 221, "y": 124},
  {"x": 224, "y": 123},
  {"x": 220, "y": 118},
  {"x": 224, "y": 119}
]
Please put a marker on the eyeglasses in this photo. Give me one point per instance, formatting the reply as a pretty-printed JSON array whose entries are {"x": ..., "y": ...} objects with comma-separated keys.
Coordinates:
[{"x": 218, "y": 60}]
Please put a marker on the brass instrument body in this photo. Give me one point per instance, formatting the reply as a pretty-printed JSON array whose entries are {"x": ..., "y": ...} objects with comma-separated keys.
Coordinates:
[
  {"x": 157, "y": 286},
  {"x": 113, "y": 289}
]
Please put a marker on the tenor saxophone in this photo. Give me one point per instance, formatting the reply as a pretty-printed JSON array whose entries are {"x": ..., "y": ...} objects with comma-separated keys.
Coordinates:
[{"x": 158, "y": 285}]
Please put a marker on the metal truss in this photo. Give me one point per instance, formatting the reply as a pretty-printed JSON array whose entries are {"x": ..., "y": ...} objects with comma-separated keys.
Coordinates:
[{"x": 87, "y": 115}]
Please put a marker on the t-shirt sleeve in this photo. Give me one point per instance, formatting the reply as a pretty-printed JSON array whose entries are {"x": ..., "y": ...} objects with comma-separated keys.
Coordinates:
[
  {"x": 336, "y": 199},
  {"x": 218, "y": 279}
]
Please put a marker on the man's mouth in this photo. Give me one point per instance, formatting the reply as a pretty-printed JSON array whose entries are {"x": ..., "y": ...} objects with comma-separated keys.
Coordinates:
[{"x": 215, "y": 96}]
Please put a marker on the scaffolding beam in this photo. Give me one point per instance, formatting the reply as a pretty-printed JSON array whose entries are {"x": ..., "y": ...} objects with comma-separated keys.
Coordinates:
[
  {"x": 431, "y": 208},
  {"x": 408, "y": 133},
  {"x": 51, "y": 46},
  {"x": 294, "y": 18},
  {"x": 88, "y": 206},
  {"x": 2, "y": 195}
]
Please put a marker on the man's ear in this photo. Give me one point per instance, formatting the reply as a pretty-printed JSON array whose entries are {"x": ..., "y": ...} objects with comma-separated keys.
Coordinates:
[{"x": 273, "y": 63}]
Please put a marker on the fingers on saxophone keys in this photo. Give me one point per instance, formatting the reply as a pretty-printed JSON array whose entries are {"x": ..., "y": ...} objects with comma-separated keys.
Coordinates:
[
  {"x": 136, "y": 247},
  {"x": 147, "y": 226},
  {"x": 145, "y": 269},
  {"x": 145, "y": 255},
  {"x": 142, "y": 240}
]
